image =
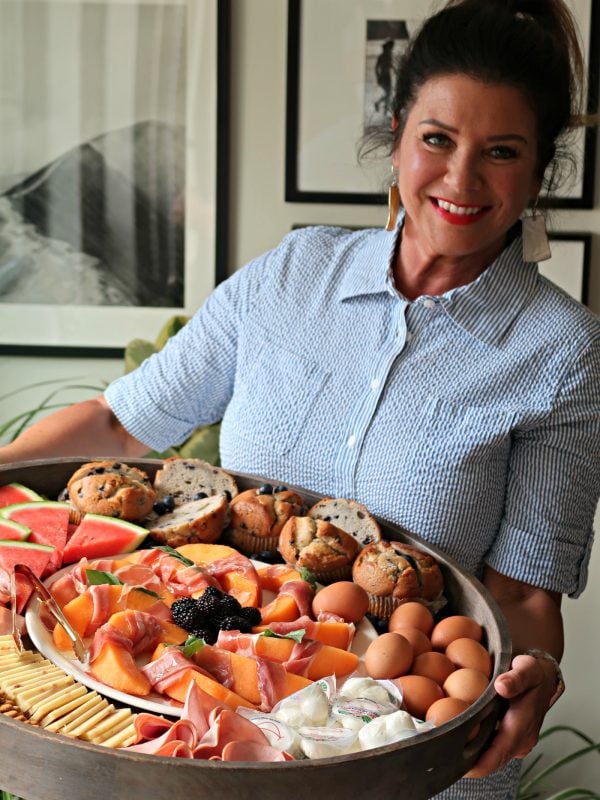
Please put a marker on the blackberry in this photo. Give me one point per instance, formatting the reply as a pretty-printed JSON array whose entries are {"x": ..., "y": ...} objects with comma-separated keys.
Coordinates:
[
  {"x": 228, "y": 606},
  {"x": 207, "y": 633},
  {"x": 185, "y": 613},
  {"x": 235, "y": 623},
  {"x": 209, "y": 602},
  {"x": 266, "y": 488},
  {"x": 251, "y": 615}
]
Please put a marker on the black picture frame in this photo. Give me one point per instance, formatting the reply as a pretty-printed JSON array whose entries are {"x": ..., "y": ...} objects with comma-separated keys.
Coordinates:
[
  {"x": 571, "y": 277},
  {"x": 208, "y": 105},
  {"x": 298, "y": 163}
]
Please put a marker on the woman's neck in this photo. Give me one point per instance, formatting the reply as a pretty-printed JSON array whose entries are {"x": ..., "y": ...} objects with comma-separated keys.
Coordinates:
[{"x": 418, "y": 272}]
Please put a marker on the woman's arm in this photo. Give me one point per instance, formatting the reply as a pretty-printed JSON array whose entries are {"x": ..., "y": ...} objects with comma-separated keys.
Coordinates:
[
  {"x": 88, "y": 428},
  {"x": 535, "y": 622}
]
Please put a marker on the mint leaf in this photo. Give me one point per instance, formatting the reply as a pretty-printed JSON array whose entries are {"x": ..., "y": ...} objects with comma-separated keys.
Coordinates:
[
  {"x": 297, "y": 636},
  {"x": 96, "y": 577},
  {"x": 191, "y": 645},
  {"x": 148, "y": 591},
  {"x": 172, "y": 552},
  {"x": 307, "y": 576}
]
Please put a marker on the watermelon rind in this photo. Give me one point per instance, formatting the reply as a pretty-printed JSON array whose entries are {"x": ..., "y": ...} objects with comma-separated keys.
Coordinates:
[
  {"x": 8, "y": 526},
  {"x": 98, "y": 536},
  {"x": 34, "y": 505},
  {"x": 27, "y": 494}
]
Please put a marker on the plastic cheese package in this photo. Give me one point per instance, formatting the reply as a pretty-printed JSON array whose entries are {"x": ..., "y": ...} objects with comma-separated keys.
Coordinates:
[
  {"x": 328, "y": 742},
  {"x": 308, "y": 707},
  {"x": 280, "y": 734},
  {"x": 390, "y": 728}
]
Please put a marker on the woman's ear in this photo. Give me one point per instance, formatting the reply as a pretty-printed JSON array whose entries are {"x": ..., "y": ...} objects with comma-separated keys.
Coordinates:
[{"x": 394, "y": 122}]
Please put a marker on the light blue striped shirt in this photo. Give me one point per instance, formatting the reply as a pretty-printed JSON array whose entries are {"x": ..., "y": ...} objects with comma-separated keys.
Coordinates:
[{"x": 471, "y": 418}]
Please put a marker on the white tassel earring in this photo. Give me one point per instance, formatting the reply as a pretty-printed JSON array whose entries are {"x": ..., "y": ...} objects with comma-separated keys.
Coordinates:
[
  {"x": 536, "y": 246},
  {"x": 393, "y": 201}
]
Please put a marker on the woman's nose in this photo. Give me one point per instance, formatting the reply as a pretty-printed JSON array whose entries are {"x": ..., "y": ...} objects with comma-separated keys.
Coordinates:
[{"x": 462, "y": 171}]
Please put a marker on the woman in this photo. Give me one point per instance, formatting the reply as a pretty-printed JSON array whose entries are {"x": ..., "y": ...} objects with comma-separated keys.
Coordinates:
[{"x": 427, "y": 370}]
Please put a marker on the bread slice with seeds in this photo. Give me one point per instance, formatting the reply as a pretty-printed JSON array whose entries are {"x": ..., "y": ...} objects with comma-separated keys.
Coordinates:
[
  {"x": 197, "y": 521},
  {"x": 187, "y": 479},
  {"x": 349, "y": 515}
]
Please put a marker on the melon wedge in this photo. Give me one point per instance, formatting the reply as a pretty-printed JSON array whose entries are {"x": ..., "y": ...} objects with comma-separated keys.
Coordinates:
[
  {"x": 13, "y": 530},
  {"x": 98, "y": 536},
  {"x": 17, "y": 493},
  {"x": 238, "y": 577},
  {"x": 48, "y": 521},
  {"x": 35, "y": 556}
]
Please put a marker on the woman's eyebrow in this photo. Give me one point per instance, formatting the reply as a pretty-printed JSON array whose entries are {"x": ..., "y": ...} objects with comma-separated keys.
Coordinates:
[{"x": 497, "y": 138}]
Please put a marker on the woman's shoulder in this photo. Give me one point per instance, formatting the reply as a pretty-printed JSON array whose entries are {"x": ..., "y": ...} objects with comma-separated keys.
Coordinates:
[{"x": 573, "y": 316}]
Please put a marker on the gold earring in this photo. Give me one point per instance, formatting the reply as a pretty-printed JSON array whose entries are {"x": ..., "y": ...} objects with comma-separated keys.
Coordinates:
[{"x": 393, "y": 202}]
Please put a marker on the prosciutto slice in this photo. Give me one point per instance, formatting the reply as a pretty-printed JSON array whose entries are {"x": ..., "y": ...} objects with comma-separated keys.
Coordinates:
[
  {"x": 167, "y": 669},
  {"x": 207, "y": 730},
  {"x": 142, "y": 634}
]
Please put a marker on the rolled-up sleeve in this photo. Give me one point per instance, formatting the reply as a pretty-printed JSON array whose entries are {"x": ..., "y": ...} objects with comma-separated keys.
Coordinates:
[{"x": 553, "y": 486}]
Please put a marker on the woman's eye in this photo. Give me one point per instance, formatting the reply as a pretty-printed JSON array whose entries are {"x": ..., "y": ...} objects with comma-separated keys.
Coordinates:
[
  {"x": 503, "y": 153},
  {"x": 436, "y": 139}
]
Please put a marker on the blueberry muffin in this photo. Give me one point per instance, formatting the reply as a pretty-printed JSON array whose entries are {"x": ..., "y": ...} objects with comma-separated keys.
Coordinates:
[
  {"x": 324, "y": 549},
  {"x": 182, "y": 480},
  {"x": 393, "y": 572},
  {"x": 258, "y": 515},
  {"x": 351, "y": 516},
  {"x": 113, "y": 489},
  {"x": 197, "y": 521}
]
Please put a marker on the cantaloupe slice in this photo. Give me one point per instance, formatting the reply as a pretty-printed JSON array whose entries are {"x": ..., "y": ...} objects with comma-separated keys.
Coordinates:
[
  {"x": 282, "y": 608},
  {"x": 79, "y": 612},
  {"x": 326, "y": 661},
  {"x": 244, "y": 585},
  {"x": 116, "y": 667},
  {"x": 244, "y": 672},
  {"x": 273, "y": 577},
  {"x": 336, "y": 634},
  {"x": 179, "y": 688}
]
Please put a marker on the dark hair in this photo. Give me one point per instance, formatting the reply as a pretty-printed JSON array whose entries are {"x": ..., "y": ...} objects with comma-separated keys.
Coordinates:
[{"x": 532, "y": 45}]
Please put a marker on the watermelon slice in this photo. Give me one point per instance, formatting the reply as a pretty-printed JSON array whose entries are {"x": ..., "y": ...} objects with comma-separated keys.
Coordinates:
[
  {"x": 98, "y": 536},
  {"x": 13, "y": 530},
  {"x": 17, "y": 493},
  {"x": 48, "y": 521},
  {"x": 35, "y": 556}
]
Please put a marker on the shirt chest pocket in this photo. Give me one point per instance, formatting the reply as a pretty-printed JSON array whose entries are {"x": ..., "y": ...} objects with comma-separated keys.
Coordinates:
[
  {"x": 275, "y": 392},
  {"x": 463, "y": 444}
]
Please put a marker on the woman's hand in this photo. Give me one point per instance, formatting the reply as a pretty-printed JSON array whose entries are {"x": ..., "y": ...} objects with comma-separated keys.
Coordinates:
[
  {"x": 535, "y": 621},
  {"x": 528, "y": 686}
]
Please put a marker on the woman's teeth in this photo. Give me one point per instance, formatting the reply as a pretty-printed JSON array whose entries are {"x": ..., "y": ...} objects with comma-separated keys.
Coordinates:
[{"x": 464, "y": 210}]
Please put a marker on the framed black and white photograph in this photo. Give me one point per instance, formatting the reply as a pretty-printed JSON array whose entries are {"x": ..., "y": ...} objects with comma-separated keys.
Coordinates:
[
  {"x": 109, "y": 214},
  {"x": 340, "y": 75},
  {"x": 569, "y": 266}
]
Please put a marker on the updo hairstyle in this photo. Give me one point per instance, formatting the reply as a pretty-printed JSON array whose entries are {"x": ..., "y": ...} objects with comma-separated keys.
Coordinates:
[{"x": 532, "y": 45}]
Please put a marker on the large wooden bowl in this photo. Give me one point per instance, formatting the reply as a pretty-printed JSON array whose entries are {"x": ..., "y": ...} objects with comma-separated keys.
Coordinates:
[{"x": 39, "y": 765}]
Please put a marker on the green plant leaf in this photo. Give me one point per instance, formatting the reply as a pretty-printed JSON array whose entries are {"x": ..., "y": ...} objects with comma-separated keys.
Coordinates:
[
  {"x": 96, "y": 577},
  {"x": 558, "y": 764},
  {"x": 170, "y": 328},
  {"x": 137, "y": 350},
  {"x": 575, "y": 793},
  {"x": 204, "y": 444}
]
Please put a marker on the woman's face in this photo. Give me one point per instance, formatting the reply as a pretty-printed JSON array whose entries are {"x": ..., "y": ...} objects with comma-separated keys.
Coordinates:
[{"x": 467, "y": 166}]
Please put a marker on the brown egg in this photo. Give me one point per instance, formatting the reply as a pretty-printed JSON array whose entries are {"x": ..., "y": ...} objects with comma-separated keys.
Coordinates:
[
  {"x": 466, "y": 684},
  {"x": 418, "y": 694},
  {"x": 456, "y": 627},
  {"x": 447, "y": 708},
  {"x": 388, "y": 656},
  {"x": 417, "y": 638},
  {"x": 413, "y": 615},
  {"x": 433, "y": 665},
  {"x": 469, "y": 653},
  {"x": 346, "y": 599}
]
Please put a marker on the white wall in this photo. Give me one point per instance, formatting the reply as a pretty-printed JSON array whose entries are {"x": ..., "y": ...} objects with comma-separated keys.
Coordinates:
[{"x": 259, "y": 218}]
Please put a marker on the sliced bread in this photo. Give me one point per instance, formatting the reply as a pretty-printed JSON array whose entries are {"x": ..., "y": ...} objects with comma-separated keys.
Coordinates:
[
  {"x": 187, "y": 479},
  {"x": 196, "y": 521},
  {"x": 349, "y": 515}
]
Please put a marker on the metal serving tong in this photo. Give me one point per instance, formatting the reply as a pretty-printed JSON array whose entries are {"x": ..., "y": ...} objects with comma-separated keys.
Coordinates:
[{"x": 49, "y": 603}]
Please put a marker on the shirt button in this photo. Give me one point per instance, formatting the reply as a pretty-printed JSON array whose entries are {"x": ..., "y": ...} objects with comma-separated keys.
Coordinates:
[
  {"x": 351, "y": 441},
  {"x": 375, "y": 384},
  {"x": 429, "y": 304}
]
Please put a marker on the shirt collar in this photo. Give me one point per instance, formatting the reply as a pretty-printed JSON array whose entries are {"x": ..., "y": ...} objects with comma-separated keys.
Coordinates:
[{"x": 485, "y": 308}]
